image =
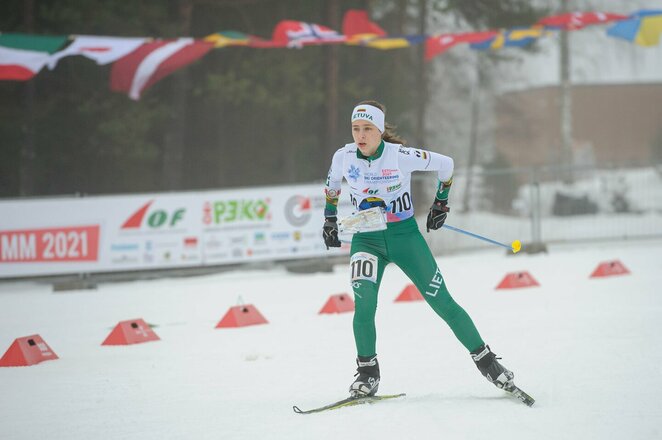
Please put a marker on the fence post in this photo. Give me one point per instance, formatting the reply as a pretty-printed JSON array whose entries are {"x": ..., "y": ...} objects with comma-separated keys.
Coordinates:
[{"x": 536, "y": 244}]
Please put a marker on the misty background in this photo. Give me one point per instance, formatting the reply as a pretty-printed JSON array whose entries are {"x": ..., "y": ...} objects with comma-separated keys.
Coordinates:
[{"x": 251, "y": 117}]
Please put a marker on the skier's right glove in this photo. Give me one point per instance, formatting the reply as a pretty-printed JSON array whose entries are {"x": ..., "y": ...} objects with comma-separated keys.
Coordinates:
[
  {"x": 437, "y": 215},
  {"x": 330, "y": 232}
]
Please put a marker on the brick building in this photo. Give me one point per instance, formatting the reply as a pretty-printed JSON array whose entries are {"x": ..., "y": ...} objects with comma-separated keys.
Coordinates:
[{"x": 611, "y": 124}]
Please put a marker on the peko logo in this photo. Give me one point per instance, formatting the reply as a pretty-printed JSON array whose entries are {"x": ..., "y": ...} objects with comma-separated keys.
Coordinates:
[
  {"x": 233, "y": 211},
  {"x": 155, "y": 219},
  {"x": 394, "y": 187}
]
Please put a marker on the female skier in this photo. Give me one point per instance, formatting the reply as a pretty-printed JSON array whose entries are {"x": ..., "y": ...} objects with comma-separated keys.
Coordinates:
[{"x": 378, "y": 169}]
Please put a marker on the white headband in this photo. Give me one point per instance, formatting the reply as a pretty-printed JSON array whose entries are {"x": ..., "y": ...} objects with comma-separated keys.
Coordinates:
[{"x": 369, "y": 113}]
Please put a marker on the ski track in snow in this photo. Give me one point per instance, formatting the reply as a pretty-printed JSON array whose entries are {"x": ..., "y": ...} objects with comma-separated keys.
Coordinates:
[{"x": 585, "y": 349}]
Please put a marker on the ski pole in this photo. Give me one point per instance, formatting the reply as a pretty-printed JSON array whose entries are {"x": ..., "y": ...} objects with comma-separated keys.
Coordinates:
[{"x": 515, "y": 246}]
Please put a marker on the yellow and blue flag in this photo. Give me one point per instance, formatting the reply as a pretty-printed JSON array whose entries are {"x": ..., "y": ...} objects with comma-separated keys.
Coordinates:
[
  {"x": 386, "y": 43},
  {"x": 516, "y": 37},
  {"x": 228, "y": 38},
  {"x": 643, "y": 28}
]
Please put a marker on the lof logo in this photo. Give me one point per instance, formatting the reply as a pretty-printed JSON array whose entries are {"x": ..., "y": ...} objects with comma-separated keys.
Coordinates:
[{"x": 155, "y": 219}]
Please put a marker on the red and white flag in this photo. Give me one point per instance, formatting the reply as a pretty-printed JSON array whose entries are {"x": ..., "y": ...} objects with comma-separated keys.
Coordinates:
[
  {"x": 357, "y": 27},
  {"x": 440, "y": 43},
  {"x": 142, "y": 68},
  {"x": 21, "y": 65},
  {"x": 103, "y": 50},
  {"x": 289, "y": 33},
  {"x": 572, "y": 21},
  {"x": 22, "y": 56}
]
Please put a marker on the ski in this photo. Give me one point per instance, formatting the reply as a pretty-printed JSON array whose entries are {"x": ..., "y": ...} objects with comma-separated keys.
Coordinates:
[
  {"x": 518, "y": 393},
  {"x": 350, "y": 401}
]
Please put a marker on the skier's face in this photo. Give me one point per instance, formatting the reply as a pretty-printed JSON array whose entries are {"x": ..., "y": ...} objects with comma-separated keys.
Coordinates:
[{"x": 367, "y": 137}]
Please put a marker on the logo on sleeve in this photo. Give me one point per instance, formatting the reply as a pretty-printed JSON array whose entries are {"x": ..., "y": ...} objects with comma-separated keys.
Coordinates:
[{"x": 331, "y": 193}]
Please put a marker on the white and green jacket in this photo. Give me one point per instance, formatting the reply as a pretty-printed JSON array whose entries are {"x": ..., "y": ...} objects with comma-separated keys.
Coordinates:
[{"x": 386, "y": 175}]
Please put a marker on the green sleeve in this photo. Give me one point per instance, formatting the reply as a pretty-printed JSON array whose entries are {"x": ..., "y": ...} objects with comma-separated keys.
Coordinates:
[
  {"x": 331, "y": 206},
  {"x": 444, "y": 189}
]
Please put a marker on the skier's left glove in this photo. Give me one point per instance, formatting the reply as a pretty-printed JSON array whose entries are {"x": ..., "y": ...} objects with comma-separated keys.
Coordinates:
[
  {"x": 438, "y": 213},
  {"x": 330, "y": 232}
]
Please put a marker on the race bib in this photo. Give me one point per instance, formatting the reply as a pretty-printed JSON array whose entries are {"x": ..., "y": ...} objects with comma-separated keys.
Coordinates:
[{"x": 364, "y": 266}]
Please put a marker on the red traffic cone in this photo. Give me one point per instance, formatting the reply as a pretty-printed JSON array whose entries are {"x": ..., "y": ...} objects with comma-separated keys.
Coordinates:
[
  {"x": 28, "y": 350},
  {"x": 339, "y": 303},
  {"x": 516, "y": 280},
  {"x": 241, "y": 316},
  {"x": 133, "y": 331},
  {"x": 609, "y": 268},
  {"x": 409, "y": 293}
]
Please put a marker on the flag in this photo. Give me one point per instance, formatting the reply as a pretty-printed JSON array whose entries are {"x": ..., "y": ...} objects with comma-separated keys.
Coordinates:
[
  {"x": 438, "y": 44},
  {"x": 386, "y": 43},
  {"x": 142, "y": 68},
  {"x": 357, "y": 27},
  {"x": 23, "y": 56},
  {"x": 516, "y": 37},
  {"x": 643, "y": 28},
  {"x": 103, "y": 50},
  {"x": 234, "y": 38},
  {"x": 289, "y": 33},
  {"x": 578, "y": 20},
  {"x": 229, "y": 38}
]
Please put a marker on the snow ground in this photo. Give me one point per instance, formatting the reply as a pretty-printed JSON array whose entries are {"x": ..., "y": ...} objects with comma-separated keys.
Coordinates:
[{"x": 585, "y": 349}]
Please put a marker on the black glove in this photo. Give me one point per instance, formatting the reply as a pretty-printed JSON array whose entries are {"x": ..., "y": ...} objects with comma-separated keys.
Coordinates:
[
  {"x": 438, "y": 213},
  {"x": 330, "y": 232}
]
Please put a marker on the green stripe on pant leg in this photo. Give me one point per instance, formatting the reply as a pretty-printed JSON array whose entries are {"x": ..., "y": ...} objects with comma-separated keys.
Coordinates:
[
  {"x": 412, "y": 254},
  {"x": 365, "y": 307},
  {"x": 366, "y": 292}
]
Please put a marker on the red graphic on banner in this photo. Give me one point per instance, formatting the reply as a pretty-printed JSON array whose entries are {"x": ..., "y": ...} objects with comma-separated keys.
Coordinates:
[
  {"x": 136, "y": 218},
  {"x": 75, "y": 243}
]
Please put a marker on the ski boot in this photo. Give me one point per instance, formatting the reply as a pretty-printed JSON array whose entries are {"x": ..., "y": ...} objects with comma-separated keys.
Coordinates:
[
  {"x": 487, "y": 364},
  {"x": 367, "y": 382}
]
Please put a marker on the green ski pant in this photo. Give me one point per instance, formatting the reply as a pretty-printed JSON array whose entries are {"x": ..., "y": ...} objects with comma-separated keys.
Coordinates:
[{"x": 401, "y": 243}]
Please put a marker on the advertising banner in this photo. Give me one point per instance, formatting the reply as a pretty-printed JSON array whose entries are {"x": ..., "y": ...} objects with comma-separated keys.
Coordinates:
[{"x": 168, "y": 230}]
